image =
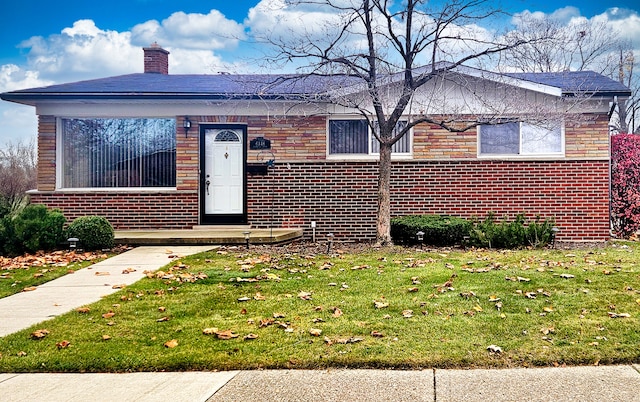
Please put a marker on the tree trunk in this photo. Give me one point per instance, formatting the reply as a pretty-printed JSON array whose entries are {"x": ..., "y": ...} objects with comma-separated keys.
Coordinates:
[{"x": 383, "y": 234}]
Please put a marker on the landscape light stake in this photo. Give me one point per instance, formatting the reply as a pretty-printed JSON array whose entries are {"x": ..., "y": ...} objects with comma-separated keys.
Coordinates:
[
  {"x": 246, "y": 238},
  {"x": 554, "y": 233},
  {"x": 73, "y": 243},
  {"x": 420, "y": 237},
  {"x": 329, "y": 241}
]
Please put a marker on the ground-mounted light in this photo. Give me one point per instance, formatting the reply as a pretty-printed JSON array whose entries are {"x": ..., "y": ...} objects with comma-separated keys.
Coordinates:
[
  {"x": 247, "y": 236},
  {"x": 329, "y": 241},
  {"x": 554, "y": 233},
  {"x": 73, "y": 243}
]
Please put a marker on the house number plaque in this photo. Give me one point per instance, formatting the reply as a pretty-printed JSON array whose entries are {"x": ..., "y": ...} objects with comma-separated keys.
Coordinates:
[{"x": 260, "y": 143}]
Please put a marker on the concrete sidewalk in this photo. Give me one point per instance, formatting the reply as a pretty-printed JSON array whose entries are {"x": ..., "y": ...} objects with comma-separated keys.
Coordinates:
[
  {"x": 601, "y": 384},
  {"x": 608, "y": 383}
]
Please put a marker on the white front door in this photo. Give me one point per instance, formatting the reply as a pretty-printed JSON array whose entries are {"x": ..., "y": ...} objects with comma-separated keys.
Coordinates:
[{"x": 223, "y": 192}]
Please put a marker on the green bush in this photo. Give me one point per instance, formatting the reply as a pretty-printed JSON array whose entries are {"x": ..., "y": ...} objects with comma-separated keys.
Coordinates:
[
  {"x": 514, "y": 233},
  {"x": 439, "y": 230},
  {"x": 32, "y": 229},
  {"x": 94, "y": 232}
]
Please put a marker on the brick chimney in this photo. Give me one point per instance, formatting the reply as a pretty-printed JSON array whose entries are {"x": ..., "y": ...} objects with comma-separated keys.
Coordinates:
[{"x": 156, "y": 59}]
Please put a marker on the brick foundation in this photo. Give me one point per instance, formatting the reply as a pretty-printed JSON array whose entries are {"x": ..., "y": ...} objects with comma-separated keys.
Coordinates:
[
  {"x": 127, "y": 210},
  {"x": 342, "y": 199}
]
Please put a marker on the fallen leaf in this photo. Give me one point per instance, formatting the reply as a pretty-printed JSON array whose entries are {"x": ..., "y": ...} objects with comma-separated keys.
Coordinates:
[
  {"x": 336, "y": 312},
  {"x": 99, "y": 273},
  {"x": 407, "y": 313},
  {"x": 250, "y": 337},
  {"x": 258, "y": 296},
  {"x": 63, "y": 344},
  {"x": 120, "y": 286},
  {"x": 380, "y": 304},
  {"x": 315, "y": 331},
  {"x": 40, "y": 333},
  {"x": 304, "y": 295},
  {"x": 412, "y": 290},
  {"x": 171, "y": 344},
  {"x": 29, "y": 289},
  {"x": 162, "y": 309},
  {"x": 548, "y": 309},
  {"x": 494, "y": 349},
  {"x": 619, "y": 315},
  {"x": 210, "y": 331},
  {"x": 278, "y": 315},
  {"x": 83, "y": 310},
  {"x": 377, "y": 334},
  {"x": 163, "y": 319},
  {"x": 226, "y": 334},
  {"x": 567, "y": 276},
  {"x": 244, "y": 299},
  {"x": 108, "y": 315},
  {"x": 106, "y": 337}
]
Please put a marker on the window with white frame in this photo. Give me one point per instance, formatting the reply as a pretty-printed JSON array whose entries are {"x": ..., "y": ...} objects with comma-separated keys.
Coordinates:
[
  {"x": 354, "y": 137},
  {"x": 117, "y": 152},
  {"x": 521, "y": 139}
]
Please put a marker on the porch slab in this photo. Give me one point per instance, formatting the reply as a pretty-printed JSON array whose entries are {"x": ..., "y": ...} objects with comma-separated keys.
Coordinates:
[{"x": 201, "y": 236}]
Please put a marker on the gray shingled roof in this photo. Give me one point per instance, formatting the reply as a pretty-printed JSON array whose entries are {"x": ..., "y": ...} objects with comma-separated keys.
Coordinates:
[
  {"x": 263, "y": 86},
  {"x": 572, "y": 82}
]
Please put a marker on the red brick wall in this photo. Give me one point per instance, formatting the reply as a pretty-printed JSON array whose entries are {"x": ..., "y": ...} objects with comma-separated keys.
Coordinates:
[
  {"x": 342, "y": 199},
  {"x": 127, "y": 210}
]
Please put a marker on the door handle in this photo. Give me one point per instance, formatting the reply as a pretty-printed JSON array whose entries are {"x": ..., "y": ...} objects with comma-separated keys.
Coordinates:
[{"x": 207, "y": 183}]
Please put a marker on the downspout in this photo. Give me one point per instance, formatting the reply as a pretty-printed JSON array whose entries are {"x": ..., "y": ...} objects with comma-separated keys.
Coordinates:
[{"x": 610, "y": 134}]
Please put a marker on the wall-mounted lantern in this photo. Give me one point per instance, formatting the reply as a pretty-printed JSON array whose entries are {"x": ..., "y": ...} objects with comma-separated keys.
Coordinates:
[{"x": 186, "y": 124}]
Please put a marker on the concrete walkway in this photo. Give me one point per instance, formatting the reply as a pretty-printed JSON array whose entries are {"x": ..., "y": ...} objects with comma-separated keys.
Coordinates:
[
  {"x": 607, "y": 383},
  {"x": 84, "y": 286}
]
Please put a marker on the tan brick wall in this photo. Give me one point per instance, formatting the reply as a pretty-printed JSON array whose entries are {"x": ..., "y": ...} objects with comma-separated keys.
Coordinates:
[
  {"x": 46, "y": 153},
  {"x": 587, "y": 137}
]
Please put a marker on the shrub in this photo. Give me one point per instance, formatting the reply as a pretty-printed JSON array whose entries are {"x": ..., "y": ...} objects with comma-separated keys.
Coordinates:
[
  {"x": 32, "y": 229},
  {"x": 94, "y": 232},
  {"x": 515, "y": 233},
  {"x": 625, "y": 184},
  {"x": 439, "y": 230}
]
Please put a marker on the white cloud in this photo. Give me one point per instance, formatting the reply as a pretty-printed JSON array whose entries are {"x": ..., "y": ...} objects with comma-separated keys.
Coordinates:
[
  {"x": 82, "y": 51},
  {"x": 13, "y": 78},
  {"x": 190, "y": 31}
]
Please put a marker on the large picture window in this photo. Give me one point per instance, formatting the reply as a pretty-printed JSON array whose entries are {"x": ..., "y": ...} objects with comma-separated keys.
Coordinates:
[
  {"x": 354, "y": 137},
  {"x": 116, "y": 153},
  {"x": 521, "y": 139}
]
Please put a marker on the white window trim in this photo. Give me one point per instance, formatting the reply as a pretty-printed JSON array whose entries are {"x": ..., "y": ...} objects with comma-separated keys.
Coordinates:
[
  {"x": 520, "y": 154},
  {"x": 370, "y": 155},
  {"x": 59, "y": 144}
]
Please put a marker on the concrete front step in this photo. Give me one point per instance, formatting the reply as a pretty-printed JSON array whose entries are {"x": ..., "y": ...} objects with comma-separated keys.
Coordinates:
[{"x": 217, "y": 236}]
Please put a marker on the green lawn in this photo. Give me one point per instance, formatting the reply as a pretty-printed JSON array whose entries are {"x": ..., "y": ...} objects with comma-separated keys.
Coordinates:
[{"x": 394, "y": 308}]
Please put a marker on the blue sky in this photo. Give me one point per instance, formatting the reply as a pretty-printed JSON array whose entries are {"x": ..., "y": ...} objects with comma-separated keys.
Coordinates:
[{"x": 71, "y": 40}]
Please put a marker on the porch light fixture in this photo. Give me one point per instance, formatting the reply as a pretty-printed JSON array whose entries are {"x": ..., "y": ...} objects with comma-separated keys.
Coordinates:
[
  {"x": 73, "y": 243},
  {"x": 246, "y": 238},
  {"x": 186, "y": 124},
  {"x": 329, "y": 241}
]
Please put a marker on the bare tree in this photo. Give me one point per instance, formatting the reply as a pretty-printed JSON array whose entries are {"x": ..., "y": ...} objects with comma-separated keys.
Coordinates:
[
  {"x": 18, "y": 166},
  {"x": 390, "y": 59},
  {"x": 577, "y": 46}
]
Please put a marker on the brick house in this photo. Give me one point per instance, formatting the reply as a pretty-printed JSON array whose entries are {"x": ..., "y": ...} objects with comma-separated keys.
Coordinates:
[{"x": 154, "y": 150}]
